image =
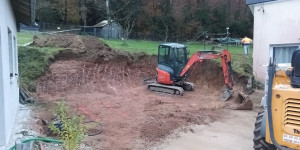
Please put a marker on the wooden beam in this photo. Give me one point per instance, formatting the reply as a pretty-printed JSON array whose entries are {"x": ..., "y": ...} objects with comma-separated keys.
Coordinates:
[{"x": 24, "y": 10}]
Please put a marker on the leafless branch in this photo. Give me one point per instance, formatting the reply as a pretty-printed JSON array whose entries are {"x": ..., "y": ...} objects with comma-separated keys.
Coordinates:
[{"x": 163, "y": 19}]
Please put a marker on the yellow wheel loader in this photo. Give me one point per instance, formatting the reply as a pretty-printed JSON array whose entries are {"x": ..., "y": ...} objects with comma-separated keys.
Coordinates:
[{"x": 278, "y": 123}]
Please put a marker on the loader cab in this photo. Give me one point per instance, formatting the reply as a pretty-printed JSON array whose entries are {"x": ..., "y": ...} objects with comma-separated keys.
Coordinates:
[
  {"x": 172, "y": 58},
  {"x": 295, "y": 74}
]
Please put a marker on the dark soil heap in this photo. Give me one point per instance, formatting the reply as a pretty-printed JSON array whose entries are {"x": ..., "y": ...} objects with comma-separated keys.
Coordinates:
[{"x": 85, "y": 48}]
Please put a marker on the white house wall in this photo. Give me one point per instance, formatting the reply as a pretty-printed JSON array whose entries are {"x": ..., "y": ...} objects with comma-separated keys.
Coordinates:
[
  {"x": 275, "y": 23},
  {"x": 9, "y": 92}
]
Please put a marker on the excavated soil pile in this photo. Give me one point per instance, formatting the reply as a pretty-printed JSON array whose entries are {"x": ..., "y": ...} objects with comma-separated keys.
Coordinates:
[
  {"x": 84, "y": 48},
  {"x": 60, "y": 40},
  {"x": 69, "y": 74},
  {"x": 208, "y": 75},
  {"x": 106, "y": 86}
]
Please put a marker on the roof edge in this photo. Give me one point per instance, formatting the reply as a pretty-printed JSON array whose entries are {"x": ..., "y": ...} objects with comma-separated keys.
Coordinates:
[
  {"x": 24, "y": 11},
  {"x": 251, "y": 2}
]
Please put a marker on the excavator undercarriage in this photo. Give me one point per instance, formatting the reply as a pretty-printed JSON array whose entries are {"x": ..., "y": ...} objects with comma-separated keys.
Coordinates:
[{"x": 177, "y": 89}]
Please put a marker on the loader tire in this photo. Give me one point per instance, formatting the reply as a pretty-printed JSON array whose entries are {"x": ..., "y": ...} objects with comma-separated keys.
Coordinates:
[{"x": 259, "y": 141}]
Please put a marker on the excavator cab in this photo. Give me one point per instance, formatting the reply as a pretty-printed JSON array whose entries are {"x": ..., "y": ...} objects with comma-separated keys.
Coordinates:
[{"x": 172, "y": 59}]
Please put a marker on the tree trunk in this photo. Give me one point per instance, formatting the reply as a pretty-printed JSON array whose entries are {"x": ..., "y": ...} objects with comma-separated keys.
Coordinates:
[
  {"x": 66, "y": 10},
  {"x": 83, "y": 11}
]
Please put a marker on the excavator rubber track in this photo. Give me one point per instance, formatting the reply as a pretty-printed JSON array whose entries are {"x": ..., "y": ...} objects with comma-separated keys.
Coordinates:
[{"x": 165, "y": 88}]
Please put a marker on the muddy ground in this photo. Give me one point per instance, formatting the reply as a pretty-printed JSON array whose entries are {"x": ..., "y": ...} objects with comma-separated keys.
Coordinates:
[{"x": 106, "y": 86}]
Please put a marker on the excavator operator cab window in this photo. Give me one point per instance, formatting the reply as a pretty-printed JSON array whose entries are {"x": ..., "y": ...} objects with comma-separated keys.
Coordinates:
[
  {"x": 173, "y": 57},
  {"x": 169, "y": 55},
  {"x": 163, "y": 56},
  {"x": 181, "y": 60},
  {"x": 181, "y": 55}
]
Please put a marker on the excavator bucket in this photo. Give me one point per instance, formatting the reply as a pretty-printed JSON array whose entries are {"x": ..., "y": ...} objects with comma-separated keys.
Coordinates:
[
  {"x": 242, "y": 102},
  {"x": 226, "y": 95}
]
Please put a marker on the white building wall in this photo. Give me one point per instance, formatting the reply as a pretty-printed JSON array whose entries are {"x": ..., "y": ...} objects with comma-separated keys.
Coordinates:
[
  {"x": 275, "y": 23},
  {"x": 9, "y": 92}
]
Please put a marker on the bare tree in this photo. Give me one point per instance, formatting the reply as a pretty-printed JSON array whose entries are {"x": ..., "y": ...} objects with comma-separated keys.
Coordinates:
[
  {"x": 166, "y": 10},
  {"x": 166, "y": 30},
  {"x": 83, "y": 12},
  {"x": 125, "y": 14},
  {"x": 129, "y": 23},
  {"x": 66, "y": 11},
  {"x": 107, "y": 6}
]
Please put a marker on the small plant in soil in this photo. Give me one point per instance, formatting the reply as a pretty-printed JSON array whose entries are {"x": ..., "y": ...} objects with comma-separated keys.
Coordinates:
[{"x": 69, "y": 128}]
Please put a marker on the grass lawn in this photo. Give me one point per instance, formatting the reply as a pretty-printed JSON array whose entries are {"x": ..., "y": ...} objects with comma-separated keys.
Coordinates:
[
  {"x": 33, "y": 62},
  {"x": 25, "y": 37},
  {"x": 150, "y": 47},
  {"x": 240, "y": 62}
]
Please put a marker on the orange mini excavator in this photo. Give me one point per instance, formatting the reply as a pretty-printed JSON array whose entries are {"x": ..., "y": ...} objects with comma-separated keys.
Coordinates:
[{"x": 174, "y": 68}]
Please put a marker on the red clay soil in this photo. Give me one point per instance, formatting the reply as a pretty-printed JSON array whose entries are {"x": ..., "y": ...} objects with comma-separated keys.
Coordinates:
[{"x": 112, "y": 92}]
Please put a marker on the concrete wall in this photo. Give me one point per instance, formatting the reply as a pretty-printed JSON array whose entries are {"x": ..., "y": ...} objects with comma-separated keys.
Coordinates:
[
  {"x": 275, "y": 23},
  {"x": 9, "y": 92}
]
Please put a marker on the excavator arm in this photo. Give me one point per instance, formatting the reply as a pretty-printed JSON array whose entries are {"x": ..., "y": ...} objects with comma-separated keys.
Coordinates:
[{"x": 200, "y": 56}]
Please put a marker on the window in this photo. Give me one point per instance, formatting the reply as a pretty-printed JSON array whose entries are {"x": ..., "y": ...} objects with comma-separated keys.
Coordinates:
[
  {"x": 163, "y": 55},
  {"x": 180, "y": 60},
  {"x": 15, "y": 56},
  {"x": 283, "y": 54},
  {"x": 181, "y": 57},
  {"x": 172, "y": 56},
  {"x": 11, "y": 56}
]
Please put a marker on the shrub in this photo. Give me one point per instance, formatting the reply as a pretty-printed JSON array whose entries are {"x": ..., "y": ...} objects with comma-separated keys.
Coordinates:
[
  {"x": 69, "y": 129},
  {"x": 33, "y": 62}
]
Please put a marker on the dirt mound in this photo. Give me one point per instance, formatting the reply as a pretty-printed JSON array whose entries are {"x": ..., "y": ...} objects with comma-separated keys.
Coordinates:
[
  {"x": 70, "y": 41},
  {"x": 208, "y": 74},
  {"x": 88, "y": 60},
  {"x": 86, "y": 48},
  {"x": 66, "y": 75},
  {"x": 59, "y": 40}
]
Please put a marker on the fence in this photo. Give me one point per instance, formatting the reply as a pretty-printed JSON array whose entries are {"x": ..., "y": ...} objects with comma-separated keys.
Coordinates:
[
  {"x": 51, "y": 28},
  {"x": 48, "y": 27},
  {"x": 156, "y": 37}
]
